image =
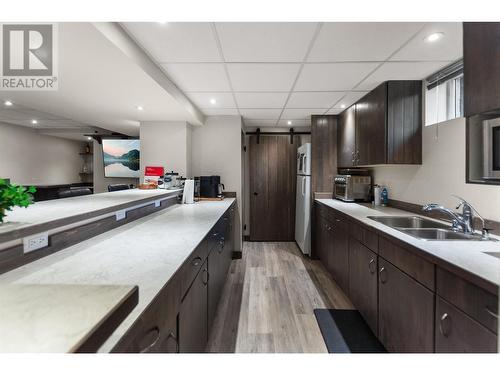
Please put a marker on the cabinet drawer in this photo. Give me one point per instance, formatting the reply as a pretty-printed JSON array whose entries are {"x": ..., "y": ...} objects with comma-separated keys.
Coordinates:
[
  {"x": 155, "y": 330},
  {"x": 193, "y": 264},
  {"x": 415, "y": 266},
  {"x": 366, "y": 237},
  {"x": 458, "y": 333},
  {"x": 471, "y": 299}
]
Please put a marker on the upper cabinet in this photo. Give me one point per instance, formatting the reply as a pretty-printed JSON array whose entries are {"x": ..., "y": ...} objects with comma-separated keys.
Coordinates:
[
  {"x": 481, "y": 67},
  {"x": 384, "y": 127}
]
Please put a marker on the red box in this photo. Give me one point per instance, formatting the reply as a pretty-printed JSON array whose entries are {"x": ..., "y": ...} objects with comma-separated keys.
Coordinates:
[{"x": 153, "y": 171}]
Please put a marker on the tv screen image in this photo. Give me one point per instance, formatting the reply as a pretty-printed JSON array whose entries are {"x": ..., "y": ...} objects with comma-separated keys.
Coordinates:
[{"x": 121, "y": 157}]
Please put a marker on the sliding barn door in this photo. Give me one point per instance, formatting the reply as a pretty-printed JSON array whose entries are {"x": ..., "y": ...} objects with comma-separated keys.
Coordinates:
[{"x": 272, "y": 188}]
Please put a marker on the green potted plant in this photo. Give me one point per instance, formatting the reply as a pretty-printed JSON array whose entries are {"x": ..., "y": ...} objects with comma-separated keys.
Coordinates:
[{"x": 14, "y": 195}]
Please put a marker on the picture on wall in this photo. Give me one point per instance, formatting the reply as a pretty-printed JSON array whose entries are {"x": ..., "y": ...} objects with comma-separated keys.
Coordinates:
[{"x": 121, "y": 157}]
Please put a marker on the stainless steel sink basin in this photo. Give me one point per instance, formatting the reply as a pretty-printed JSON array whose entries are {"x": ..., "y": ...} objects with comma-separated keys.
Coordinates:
[
  {"x": 411, "y": 222},
  {"x": 435, "y": 234}
]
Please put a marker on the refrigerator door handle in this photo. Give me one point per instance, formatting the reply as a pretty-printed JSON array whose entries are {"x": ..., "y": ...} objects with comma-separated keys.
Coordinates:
[{"x": 303, "y": 186}]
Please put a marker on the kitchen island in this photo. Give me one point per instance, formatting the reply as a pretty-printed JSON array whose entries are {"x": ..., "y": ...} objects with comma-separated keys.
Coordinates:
[{"x": 147, "y": 252}]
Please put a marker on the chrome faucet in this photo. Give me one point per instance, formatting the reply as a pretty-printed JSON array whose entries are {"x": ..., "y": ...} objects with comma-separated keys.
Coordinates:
[{"x": 460, "y": 222}]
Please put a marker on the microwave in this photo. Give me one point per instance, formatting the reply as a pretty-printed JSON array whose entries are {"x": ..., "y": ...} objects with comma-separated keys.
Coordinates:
[{"x": 491, "y": 142}]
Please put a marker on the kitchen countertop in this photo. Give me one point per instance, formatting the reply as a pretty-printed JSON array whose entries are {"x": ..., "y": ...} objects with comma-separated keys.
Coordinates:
[
  {"x": 55, "y": 318},
  {"x": 44, "y": 215},
  {"x": 467, "y": 255},
  {"x": 146, "y": 253}
]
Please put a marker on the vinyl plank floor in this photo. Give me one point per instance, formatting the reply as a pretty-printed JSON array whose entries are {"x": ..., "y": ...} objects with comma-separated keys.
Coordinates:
[{"x": 268, "y": 301}]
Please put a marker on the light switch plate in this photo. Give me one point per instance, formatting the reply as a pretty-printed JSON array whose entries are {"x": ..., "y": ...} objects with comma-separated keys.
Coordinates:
[
  {"x": 35, "y": 242},
  {"x": 120, "y": 215}
]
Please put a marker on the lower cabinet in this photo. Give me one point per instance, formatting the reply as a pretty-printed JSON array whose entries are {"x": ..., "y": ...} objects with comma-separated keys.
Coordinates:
[
  {"x": 406, "y": 312},
  {"x": 193, "y": 318},
  {"x": 339, "y": 253},
  {"x": 458, "y": 333},
  {"x": 363, "y": 282}
]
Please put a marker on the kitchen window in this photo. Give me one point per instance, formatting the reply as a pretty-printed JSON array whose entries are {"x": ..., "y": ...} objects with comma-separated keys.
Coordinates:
[{"x": 444, "y": 94}]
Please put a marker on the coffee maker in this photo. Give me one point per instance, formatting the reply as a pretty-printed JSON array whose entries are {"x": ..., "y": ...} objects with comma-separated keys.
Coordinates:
[{"x": 210, "y": 187}]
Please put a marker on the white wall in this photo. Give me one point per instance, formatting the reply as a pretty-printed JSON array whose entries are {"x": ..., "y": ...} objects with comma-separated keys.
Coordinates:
[
  {"x": 441, "y": 174},
  {"x": 166, "y": 144},
  {"x": 216, "y": 150},
  {"x": 27, "y": 157},
  {"x": 100, "y": 182}
]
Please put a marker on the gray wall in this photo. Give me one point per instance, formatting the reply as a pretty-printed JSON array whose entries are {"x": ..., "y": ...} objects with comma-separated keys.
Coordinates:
[{"x": 27, "y": 157}]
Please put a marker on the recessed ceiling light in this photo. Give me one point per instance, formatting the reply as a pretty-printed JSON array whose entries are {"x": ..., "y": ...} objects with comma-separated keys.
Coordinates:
[
  {"x": 139, "y": 108},
  {"x": 342, "y": 106},
  {"x": 434, "y": 37},
  {"x": 89, "y": 138},
  {"x": 8, "y": 103},
  {"x": 213, "y": 101},
  {"x": 34, "y": 122},
  {"x": 289, "y": 122}
]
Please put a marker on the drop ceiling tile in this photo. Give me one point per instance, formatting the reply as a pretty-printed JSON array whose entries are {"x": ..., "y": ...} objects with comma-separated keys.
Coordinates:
[
  {"x": 176, "y": 41},
  {"x": 203, "y": 99},
  {"x": 261, "y": 99},
  {"x": 400, "y": 71},
  {"x": 332, "y": 76},
  {"x": 220, "y": 111},
  {"x": 198, "y": 77},
  {"x": 361, "y": 41},
  {"x": 334, "y": 111},
  {"x": 265, "y": 41},
  {"x": 295, "y": 123},
  {"x": 313, "y": 99},
  {"x": 261, "y": 114},
  {"x": 350, "y": 98},
  {"x": 301, "y": 114},
  {"x": 262, "y": 77},
  {"x": 449, "y": 47}
]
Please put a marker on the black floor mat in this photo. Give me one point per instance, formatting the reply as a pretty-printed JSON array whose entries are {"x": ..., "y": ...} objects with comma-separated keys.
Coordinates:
[{"x": 345, "y": 331}]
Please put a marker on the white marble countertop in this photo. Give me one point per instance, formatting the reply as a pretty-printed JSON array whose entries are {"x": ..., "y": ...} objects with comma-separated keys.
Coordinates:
[
  {"x": 57, "y": 210},
  {"x": 467, "y": 255},
  {"x": 146, "y": 253},
  {"x": 54, "y": 318}
]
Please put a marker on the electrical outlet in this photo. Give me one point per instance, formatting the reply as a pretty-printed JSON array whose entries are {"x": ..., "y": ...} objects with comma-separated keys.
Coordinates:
[
  {"x": 157, "y": 204},
  {"x": 35, "y": 242},
  {"x": 120, "y": 215}
]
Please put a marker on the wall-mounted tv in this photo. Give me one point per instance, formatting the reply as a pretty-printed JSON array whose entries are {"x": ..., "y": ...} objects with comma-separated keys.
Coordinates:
[{"x": 121, "y": 157}]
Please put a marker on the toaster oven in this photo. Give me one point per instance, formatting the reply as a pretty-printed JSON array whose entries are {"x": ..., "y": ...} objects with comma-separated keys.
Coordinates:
[{"x": 351, "y": 188}]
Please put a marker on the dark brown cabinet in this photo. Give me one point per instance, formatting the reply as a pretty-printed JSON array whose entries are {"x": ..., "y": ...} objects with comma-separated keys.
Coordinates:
[
  {"x": 193, "y": 317},
  {"x": 458, "y": 333},
  {"x": 346, "y": 138},
  {"x": 363, "y": 282},
  {"x": 406, "y": 312},
  {"x": 383, "y": 127},
  {"x": 481, "y": 67},
  {"x": 338, "y": 260}
]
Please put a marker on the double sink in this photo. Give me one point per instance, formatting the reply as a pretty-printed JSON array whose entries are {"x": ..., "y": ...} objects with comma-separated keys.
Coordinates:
[{"x": 426, "y": 229}]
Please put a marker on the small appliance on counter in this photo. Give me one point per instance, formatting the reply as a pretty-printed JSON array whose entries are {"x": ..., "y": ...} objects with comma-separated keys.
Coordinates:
[
  {"x": 169, "y": 180},
  {"x": 211, "y": 187},
  {"x": 352, "y": 185}
]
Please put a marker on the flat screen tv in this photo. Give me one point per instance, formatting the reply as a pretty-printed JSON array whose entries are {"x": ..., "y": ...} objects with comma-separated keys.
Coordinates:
[{"x": 121, "y": 157}]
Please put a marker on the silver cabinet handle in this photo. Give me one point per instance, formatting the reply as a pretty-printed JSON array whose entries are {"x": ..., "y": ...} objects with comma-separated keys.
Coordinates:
[
  {"x": 445, "y": 325},
  {"x": 491, "y": 312},
  {"x": 383, "y": 275},
  {"x": 206, "y": 276},
  {"x": 148, "y": 348},
  {"x": 371, "y": 266}
]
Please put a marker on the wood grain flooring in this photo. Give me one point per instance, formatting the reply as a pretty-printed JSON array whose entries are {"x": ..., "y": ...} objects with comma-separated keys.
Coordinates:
[{"x": 268, "y": 301}]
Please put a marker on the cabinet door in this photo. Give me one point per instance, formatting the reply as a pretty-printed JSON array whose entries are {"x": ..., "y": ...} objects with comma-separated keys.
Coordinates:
[
  {"x": 193, "y": 316},
  {"x": 363, "y": 282},
  {"x": 371, "y": 142},
  {"x": 481, "y": 67},
  {"x": 346, "y": 137},
  {"x": 339, "y": 253},
  {"x": 458, "y": 333},
  {"x": 406, "y": 312}
]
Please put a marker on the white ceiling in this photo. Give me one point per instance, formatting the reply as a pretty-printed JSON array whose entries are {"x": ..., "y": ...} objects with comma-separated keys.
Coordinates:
[
  {"x": 271, "y": 73},
  {"x": 100, "y": 86}
]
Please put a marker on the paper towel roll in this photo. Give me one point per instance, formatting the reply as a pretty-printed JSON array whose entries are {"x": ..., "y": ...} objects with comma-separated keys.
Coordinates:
[{"x": 188, "y": 193}]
